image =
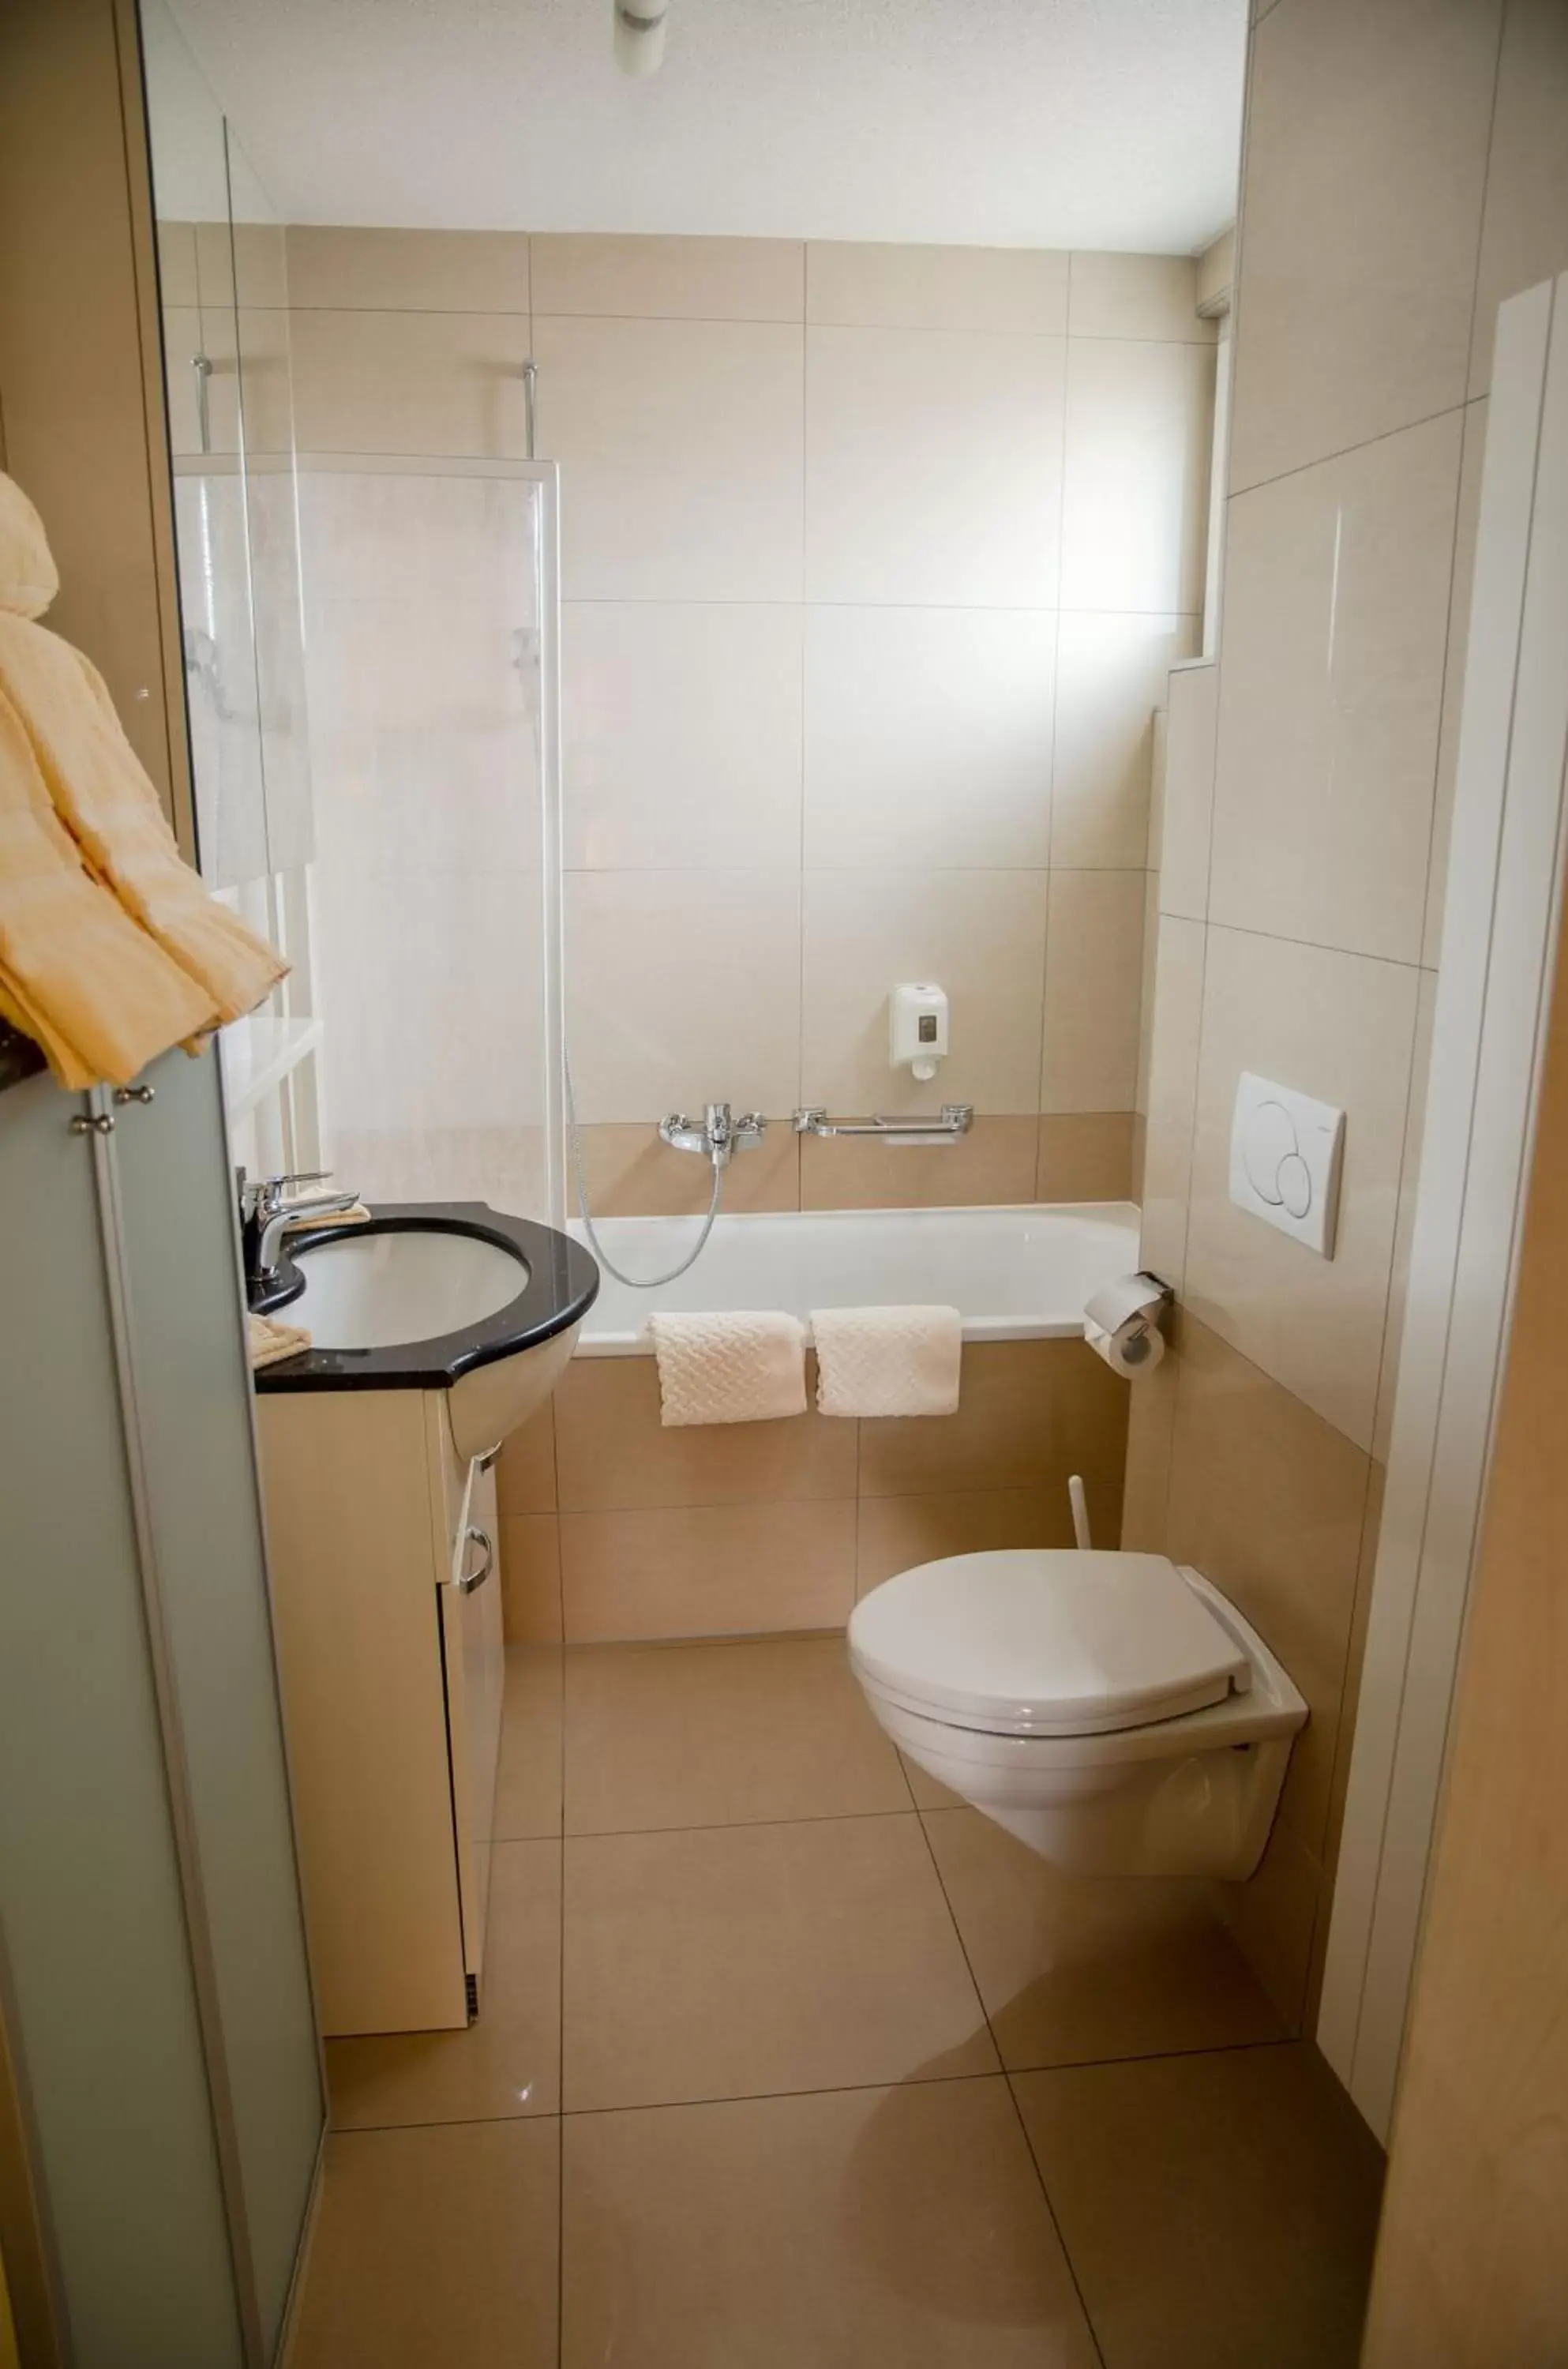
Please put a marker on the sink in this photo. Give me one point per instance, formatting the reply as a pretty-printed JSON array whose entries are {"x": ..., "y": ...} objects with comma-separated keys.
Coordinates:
[
  {"x": 373, "y": 1290},
  {"x": 448, "y": 1296}
]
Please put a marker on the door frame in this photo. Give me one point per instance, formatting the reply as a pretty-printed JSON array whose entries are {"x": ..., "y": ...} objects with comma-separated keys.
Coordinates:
[{"x": 1500, "y": 932}]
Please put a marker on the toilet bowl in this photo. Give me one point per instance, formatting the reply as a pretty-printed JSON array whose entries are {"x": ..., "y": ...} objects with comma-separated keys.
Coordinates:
[{"x": 1113, "y": 1712}]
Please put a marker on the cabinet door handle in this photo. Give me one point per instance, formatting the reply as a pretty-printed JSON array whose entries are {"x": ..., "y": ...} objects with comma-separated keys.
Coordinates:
[{"x": 468, "y": 1581}]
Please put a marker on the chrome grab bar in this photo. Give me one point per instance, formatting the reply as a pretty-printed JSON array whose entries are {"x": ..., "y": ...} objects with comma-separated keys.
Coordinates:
[{"x": 956, "y": 1119}]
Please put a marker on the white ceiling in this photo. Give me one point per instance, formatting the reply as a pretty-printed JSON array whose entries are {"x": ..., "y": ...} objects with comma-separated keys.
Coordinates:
[{"x": 1112, "y": 124}]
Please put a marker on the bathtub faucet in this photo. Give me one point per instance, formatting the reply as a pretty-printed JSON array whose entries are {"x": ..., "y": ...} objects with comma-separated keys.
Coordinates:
[{"x": 716, "y": 1136}]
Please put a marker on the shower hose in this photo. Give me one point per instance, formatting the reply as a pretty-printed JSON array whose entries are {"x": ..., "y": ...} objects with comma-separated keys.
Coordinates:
[{"x": 635, "y": 1282}]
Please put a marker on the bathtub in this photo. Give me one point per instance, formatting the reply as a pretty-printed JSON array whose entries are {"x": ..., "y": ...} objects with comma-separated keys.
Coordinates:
[{"x": 1014, "y": 1273}]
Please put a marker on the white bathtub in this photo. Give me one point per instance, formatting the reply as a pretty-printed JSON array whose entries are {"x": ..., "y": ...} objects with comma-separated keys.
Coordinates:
[{"x": 1013, "y": 1275}]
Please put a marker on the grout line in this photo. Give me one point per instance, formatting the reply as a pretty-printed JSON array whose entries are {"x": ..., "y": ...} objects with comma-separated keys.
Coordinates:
[
  {"x": 991, "y": 2028},
  {"x": 725, "y": 1825},
  {"x": 1008, "y": 2073},
  {"x": 1344, "y": 451}
]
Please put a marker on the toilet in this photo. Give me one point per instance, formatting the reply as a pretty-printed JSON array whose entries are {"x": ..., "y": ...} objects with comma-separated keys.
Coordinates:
[{"x": 1113, "y": 1712}]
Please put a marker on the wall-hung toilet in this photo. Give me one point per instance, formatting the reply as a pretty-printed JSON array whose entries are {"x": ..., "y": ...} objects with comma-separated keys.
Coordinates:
[{"x": 1113, "y": 1712}]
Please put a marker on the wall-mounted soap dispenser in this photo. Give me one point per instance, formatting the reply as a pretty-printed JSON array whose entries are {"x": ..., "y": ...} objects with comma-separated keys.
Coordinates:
[{"x": 917, "y": 1027}]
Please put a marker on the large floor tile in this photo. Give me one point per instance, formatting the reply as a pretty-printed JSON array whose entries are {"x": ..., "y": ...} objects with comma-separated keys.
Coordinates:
[
  {"x": 1218, "y": 2210},
  {"x": 435, "y": 2246},
  {"x": 901, "y": 2226},
  {"x": 1073, "y": 1970},
  {"x": 505, "y": 2065},
  {"x": 528, "y": 1786},
  {"x": 707, "y": 1735},
  {"x": 736, "y": 1961}
]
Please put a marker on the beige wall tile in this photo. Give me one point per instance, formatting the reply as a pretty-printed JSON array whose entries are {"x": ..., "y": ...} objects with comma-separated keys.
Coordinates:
[
  {"x": 981, "y": 935},
  {"x": 429, "y": 382},
  {"x": 681, "y": 444},
  {"x": 1111, "y": 677},
  {"x": 1215, "y": 267},
  {"x": 1342, "y": 1029},
  {"x": 1145, "y": 1020},
  {"x": 261, "y": 270},
  {"x": 632, "y": 1173},
  {"x": 898, "y": 1533},
  {"x": 1336, "y": 620},
  {"x": 267, "y": 384},
  {"x": 1367, "y": 141},
  {"x": 706, "y": 2216},
  {"x": 1173, "y": 1096},
  {"x": 664, "y": 1013},
  {"x": 1465, "y": 526},
  {"x": 1085, "y": 1156},
  {"x": 708, "y": 1571},
  {"x": 670, "y": 279},
  {"x": 434, "y": 2244},
  {"x": 1093, "y": 981},
  {"x": 177, "y": 263},
  {"x": 1404, "y": 1224},
  {"x": 994, "y": 1163},
  {"x": 954, "y": 501},
  {"x": 1151, "y": 1420},
  {"x": 1137, "y": 296},
  {"x": 613, "y": 1453},
  {"x": 1274, "y": 1916},
  {"x": 182, "y": 339},
  {"x": 1523, "y": 230},
  {"x": 982, "y": 287},
  {"x": 1135, "y": 493},
  {"x": 928, "y": 735},
  {"x": 525, "y": 1477},
  {"x": 1192, "y": 716},
  {"x": 681, "y": 725},
  {"x": 1028, "y": 1411},
  {"x": 530, "y": 1547},
  {"x": 214, "y": 264},
  {"x": 408, "y": 270},
  {"x": 1267, "y": 1500},
  {"x": 1075, "y": 1971}
]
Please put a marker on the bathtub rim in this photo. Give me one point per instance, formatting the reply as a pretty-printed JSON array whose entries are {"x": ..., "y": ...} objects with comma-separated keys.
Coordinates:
[{"x": 1064, "y": 1327}]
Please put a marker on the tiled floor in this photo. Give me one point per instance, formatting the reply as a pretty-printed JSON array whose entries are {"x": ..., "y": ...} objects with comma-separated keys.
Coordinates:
[{"x": 789, "y": 2062}]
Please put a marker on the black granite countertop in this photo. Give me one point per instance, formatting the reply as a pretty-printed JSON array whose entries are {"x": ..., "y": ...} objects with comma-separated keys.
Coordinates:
[{"x": 559, "y": 1285}]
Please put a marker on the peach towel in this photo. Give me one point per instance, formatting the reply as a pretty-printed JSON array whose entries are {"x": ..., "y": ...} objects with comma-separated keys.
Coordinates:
[
  {"x": 112, "y": 949},
  {"x": 888, "y": 1361},
  {"x": 270, "y": 1342}
]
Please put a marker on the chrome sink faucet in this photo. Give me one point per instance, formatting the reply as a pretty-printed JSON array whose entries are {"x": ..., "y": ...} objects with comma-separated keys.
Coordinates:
[
  {"x": 266, "y": 1217},
  {"x": 717, "y": 1135}
]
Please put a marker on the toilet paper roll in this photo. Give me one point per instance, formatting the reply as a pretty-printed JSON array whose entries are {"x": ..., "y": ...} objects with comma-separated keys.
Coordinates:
[{"x": 1134, "y": 1349}]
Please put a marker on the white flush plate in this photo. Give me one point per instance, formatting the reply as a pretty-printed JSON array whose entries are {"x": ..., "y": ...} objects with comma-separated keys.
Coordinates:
[{"x": 1285, "y": 1161}]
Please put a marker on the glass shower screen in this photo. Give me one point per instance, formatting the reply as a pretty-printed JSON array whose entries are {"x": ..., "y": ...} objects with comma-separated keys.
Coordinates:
[{"x": 432, "y": 600}]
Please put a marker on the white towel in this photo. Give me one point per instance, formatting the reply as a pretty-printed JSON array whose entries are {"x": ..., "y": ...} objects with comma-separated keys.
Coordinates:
[
  {"x": 738, "y": 1364},
  {"x": 879, "y": 1361}
]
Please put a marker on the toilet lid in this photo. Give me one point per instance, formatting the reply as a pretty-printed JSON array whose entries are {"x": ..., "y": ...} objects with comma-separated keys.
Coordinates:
[{"x": 1037, "y": 1641}]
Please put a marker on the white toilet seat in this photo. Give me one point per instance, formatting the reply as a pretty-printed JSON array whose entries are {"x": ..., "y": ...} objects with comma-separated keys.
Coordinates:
[
  {"x": 1114, "y": 1712},
  {"x": 1047, "y": 1642}
]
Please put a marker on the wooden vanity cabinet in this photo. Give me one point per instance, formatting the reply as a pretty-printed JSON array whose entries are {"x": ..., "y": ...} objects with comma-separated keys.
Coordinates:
[{"x": 388, "y": 1606}]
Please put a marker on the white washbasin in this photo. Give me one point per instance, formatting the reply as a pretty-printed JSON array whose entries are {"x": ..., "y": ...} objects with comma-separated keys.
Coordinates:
[
  {"x": 381, "y": 1290},
  {"x": 462, "y": 1299}
]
